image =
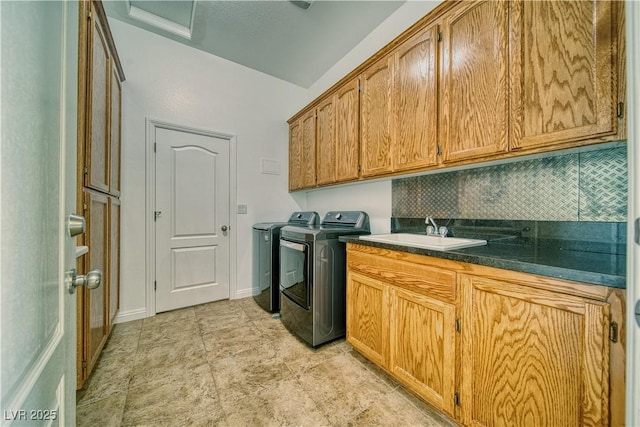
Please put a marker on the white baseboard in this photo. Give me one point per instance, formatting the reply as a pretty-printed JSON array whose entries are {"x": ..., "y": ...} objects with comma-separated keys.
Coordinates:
[
  {"x": 244, "y": 293},
  {"x": 128, "y": 316}
]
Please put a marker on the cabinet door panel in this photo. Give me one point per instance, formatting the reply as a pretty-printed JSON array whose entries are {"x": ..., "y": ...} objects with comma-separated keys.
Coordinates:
[
  {"x": 308, "y": 162},
  {"x": 347, "y": 109},
  {"x": 563, "y": 71},
  {"x": 295, "y": 156},
  {"x": 475, "y": 83},
  {"x": 326, "y": 142},
  {"x": 532, "y": 357},
  {"x": 368, "y": 317},
  {"x": 376, "y": 118},
  {"x": 115, "y": 133},
  {"x": 97, "y": 150},
  {"x": 415, "y": 100},
  {"x": 97, "y": 238},
  {"x": 114, "y": 259},
  {"x": 422, "y": 346}
]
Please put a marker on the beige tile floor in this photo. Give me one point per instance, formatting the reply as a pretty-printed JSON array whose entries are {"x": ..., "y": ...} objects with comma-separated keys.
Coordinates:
[{"x": 229, "y": 363}]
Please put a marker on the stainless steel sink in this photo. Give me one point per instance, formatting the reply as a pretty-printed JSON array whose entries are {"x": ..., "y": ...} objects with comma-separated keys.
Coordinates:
[{"x": 436, "y": 243}]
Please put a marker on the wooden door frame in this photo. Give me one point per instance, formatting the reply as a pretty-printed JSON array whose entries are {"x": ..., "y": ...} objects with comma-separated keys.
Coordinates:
[{"x": 150, "y": 189}]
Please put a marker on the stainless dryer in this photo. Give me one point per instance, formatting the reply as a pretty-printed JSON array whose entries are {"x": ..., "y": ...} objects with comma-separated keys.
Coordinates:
[{"x": 313, "y": 276}]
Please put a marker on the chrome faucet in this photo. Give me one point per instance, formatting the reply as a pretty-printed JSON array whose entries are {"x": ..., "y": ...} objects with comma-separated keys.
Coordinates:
[{"x": 433, "y": 229}]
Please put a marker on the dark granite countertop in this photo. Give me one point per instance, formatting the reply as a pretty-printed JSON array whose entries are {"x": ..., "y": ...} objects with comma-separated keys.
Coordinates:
[{"x": 593, "y": 263}]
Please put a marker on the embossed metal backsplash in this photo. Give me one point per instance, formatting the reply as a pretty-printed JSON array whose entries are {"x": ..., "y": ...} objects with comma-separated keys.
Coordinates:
[{"x": 590, "y": 186}]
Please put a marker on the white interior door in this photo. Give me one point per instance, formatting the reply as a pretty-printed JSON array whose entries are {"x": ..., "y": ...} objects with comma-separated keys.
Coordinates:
[
  {"x": 191, "y": 218},
  {"x": 38, "y": 174}
]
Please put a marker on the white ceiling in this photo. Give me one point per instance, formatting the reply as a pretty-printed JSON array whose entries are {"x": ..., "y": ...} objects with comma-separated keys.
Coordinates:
[{"x": 275, "y": 37}]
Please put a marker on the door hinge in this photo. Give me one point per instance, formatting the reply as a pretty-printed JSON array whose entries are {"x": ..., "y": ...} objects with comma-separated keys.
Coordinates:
[
  {"x": 86, "y": 170},
  {"x": 637, "y": 230},
  {"x": 155, "y": 147},
  {"x": 439, "y": 36},
  {"x": 84, "y": 364},
  {"x": 89, "y": 15},
  {"x": 439, "y": 151},
  {"x": 620, "y": 109},
  {"x": 84, "y": 207},
  {"x": 155, "y": 285},
  {"x": 458, "y": 326},
  {"x": 613, "y": 332},
  {"x": 456, "y": 399}
]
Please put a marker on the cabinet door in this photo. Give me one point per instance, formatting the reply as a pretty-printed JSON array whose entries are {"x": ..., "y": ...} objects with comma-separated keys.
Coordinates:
[
  {"x": 115, "y": 132},
  {"x": 563, "y": 71},
  {"x": 376, "y": 118},
  {"x": 347, "y": 113},
  {"x": 368, "y": 317},
  {"x": 532, "y": 357},
  {"x": 475, "y": 80},
  {"x": 308, "y": 162},
  {"x": 114, "y": 259},
  {"x": 422, "y": 346},
  {"x": 97, "y": 142},
  {"x": 96, "y": 300},
  {"x": 295, "y": 156},
  {"x": 415, "y": 100},
  {"x": 326, "y": 142}
]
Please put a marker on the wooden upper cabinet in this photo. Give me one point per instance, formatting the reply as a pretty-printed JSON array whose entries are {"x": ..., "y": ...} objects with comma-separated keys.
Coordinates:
[
  {"x": 97, "y": 144},
  {"x": 475, "y": 85},
  {"x": 415, "y": 102},
  {"x": 376, "y": 118},
  {"x": 326, "y": 142},
  {"x": 532, "y": 357},
  {"x": 115, "y": 132},
  {"x": 347, "y": 114},
  {"x": 295, "y": 156},
  {"x": 563, "y": 71},
  {"x": 308, "y": 162}
]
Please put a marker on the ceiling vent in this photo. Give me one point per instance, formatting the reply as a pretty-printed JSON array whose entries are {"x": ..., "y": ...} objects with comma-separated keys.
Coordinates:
[
  {"x": 302, "y": 4},
  {"x": 173, "y": 16}
]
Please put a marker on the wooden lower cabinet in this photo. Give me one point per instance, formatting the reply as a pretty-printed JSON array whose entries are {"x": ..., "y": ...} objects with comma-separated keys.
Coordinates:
[
  {"x": 422, "y": 340},
  {"x": 407, "y": 333},
  {"x": 489, "y": 346},
  {"x": 368, "y": 317},
  {"x": 532, "y": 357},
  {"x": 93, "y": 325}
]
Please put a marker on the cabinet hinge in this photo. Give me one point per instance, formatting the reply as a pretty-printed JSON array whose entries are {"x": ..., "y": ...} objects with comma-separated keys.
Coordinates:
[
  {"x": 613, "y": 332},
  {"x": 155, "y": 285},
  {"x": 155, "y": 147},
  {"x": 84, "y": 207},
  {"x": 620, "y": 109},
  {"x": 458, "y": 326},
  {"x": 359, "y": 88},
  {"x": 86, "y": 170},
  {"x": 439, "y": 150},
  {"x": 456, "y": 398},
  {"x": 439, "y": 36},
  {"x": 89, "y": 15},
  {"x": 84, "y": 364}
]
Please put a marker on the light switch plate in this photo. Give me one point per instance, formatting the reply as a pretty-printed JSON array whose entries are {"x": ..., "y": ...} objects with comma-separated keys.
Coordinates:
[{"x": 242, "y": 209}]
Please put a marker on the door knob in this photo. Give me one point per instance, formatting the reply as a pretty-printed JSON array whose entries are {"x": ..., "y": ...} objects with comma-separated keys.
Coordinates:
[
  {"x": 224, "y": 228},
  {"x": 91, "y": 280}
]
